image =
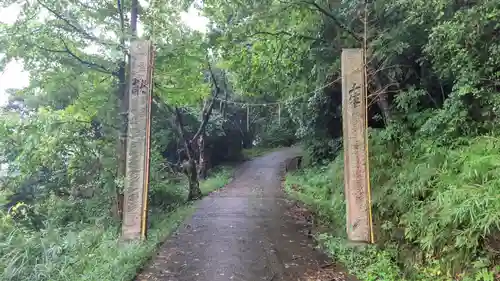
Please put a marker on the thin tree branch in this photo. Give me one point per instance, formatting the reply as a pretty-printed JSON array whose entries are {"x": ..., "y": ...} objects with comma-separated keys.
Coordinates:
[
  {"x": 72, "y": 25},
  {"x": 334, "y": 18},
  {"x": 282, "y": 32},
  {"x": 90, "y": 64},
  {"x": 166, "y": 108},
  {"x": 66, "y": 50},
  {"x": 207, "y": 111}
]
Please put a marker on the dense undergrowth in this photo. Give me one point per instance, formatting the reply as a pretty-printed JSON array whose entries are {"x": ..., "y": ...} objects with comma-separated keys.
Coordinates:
[
  {"x": 88, "y": 248},
  {"x": 435, "y": 210}
]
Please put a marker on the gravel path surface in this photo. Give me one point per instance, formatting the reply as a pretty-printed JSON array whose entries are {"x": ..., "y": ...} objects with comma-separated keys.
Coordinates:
[{"x": 244, "y": 232}]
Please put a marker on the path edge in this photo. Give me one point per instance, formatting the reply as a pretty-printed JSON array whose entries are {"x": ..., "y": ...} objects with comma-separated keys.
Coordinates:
[{"x": 291, "y": 165}]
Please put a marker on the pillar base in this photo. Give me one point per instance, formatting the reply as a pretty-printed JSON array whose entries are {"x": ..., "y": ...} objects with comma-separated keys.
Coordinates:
[{"x": 357, "y": 244}]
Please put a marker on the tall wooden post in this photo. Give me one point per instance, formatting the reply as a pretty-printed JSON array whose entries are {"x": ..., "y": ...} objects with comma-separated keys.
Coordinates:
[
  {"x": 356, "y": 181},
  {"x": 137, "y": 171}
]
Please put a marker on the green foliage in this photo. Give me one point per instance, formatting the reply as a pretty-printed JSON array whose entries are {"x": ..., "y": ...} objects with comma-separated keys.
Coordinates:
[
  {"x": 166, "y": 188},
  {"x": 262, "y": 45},
  {"x": 313, "y": 185},
  {"x": 218, "y": 179},
  {"x": 179, "y": 69},
  {"x": 320, "y": 150},
  {"x": 257, "y": 151},
  {"x": 452, "y": 198},
  {"x": 367, "y": 262},
  {"x": 444, "y": 200},
  {"x": 370, "y": 263},
  {"x": 79, "y": 240},
  {"x": 276, "y": 135},
  {"x": 89, "y": 252}
]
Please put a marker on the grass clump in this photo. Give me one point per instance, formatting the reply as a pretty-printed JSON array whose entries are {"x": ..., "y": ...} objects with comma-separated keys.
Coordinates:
[
  {"x": 218, "y": 179},
  {"x": 435, "y": 210},
  {"x": 77, "y": 244},
  {"x": 84, "y": 253}
]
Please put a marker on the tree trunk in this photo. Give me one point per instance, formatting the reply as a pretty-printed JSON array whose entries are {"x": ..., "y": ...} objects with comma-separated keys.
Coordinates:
[
  {"x": 383, "y": 104},
  {"x": 122, "y": 140},
  {"x": 203, "y": 159},
  {"x": 189, "y": 166},
  {"x": 226, "y": 96},
  {"x": 193, "y": 183},
  {"x": 123, "y": 111},
  {"x": 247, "y": 140},
  {"x": 381, "y": 98},
  {"x": 117, "y": 208}
]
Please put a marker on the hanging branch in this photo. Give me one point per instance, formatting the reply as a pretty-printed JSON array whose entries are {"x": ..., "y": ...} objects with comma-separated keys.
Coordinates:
[
  {"x": 89, "y": 64},
  {"x": 280, "y": 33},
  {"x": 334, "y": 18},
  {"x": 73, "y": 26}
]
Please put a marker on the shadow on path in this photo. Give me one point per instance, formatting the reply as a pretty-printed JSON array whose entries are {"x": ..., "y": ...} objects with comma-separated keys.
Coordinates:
[{"x": 242, "y": 233}]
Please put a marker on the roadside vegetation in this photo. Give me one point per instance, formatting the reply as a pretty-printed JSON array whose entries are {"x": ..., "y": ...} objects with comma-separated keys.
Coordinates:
[
  {"x": 79, "y": 242},
  {"x": 434, "y": 209},
  {"x": 260, "y": 75}
]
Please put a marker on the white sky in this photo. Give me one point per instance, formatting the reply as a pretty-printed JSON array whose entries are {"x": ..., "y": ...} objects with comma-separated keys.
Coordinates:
[{"x": 15, "y": 77}]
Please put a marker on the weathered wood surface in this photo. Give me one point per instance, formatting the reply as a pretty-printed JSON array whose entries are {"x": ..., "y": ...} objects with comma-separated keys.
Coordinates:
[
  {"x": 355, "y": 153},
  {"x": 136, "y": 179}
]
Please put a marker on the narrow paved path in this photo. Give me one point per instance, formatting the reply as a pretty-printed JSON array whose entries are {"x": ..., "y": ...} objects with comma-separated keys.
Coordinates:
[{"x": 241, "y": 233}]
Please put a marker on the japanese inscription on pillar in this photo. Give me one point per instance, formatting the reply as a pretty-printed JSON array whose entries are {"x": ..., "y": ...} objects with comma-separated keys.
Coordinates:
[
  {"x": 354, "y": 139},
  {"x": 137, "y": 139}
]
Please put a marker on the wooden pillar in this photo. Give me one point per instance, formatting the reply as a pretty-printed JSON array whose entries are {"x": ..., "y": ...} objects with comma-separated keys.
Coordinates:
[
  {"x": 356, "y": 179},
  {"x": 138, "y": 136}
]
